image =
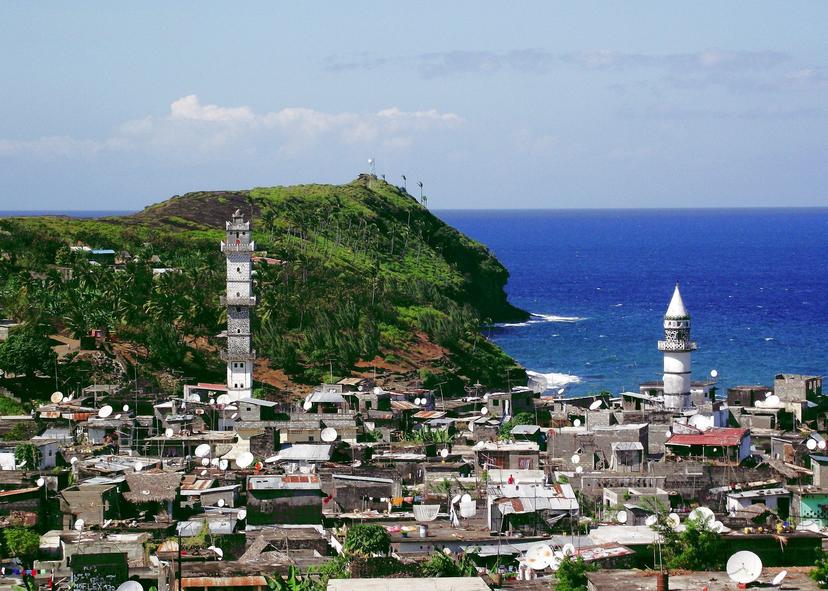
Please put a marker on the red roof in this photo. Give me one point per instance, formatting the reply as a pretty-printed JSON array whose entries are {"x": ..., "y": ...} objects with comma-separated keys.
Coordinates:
[{"x": 725, "y": 437}]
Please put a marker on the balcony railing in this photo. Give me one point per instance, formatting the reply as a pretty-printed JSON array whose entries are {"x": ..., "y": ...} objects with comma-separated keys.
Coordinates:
[
  {"x": 237, "y": 301},
  {"x": 231, "y": 247},
  {"x": 676, "y": 346},
  {"x": 227, "y": 356}
]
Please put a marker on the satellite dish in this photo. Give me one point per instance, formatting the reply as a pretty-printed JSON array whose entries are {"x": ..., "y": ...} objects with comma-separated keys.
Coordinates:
[
  {"x": 674, "y": 520},
  {"x": 234, "y": 416},
  {"x": 40, "y": 482},
  {"x": 702, "y": 514},
  {"x": 821, "y": 444},
  {"x": 56, "y": 397},
  {"x": 244, "y": 459},
  {"x": 576, "y": 459},
  {"x": 220, "y": 503},
  {"x": 218, "y": 551},
  {"x": 126, "y": 408},
  {"x": 621, "y": 517},
  {"x": 668, "y": 434},
  {"x": 773, "y": 400},
  {"x": 195, "y": 398},
  {"x": 223, "y": 464},
  {"x": 484, "y": 411},
  {"x": 105, "y": 411},
  {"x": 307, "y": 405},
  {"x": 596, "y": 404},
  {"x": 426, "y": 512},
  {"x": 205, "y": 461},
  {"x": 466, "y": 498},
  {"x": 328, "y": 434},
  {"x": 579, "y": 469},
  {"x": 138, "y": 467},
  {"x": 468, "y": 509},
  {"x": 456, "y": 499},
  {"x": 744, "y": 567},
  {"x": 168, "y": 432},
  {"x": 471, "y": 426},
  {"x": 577, "y": 422},
  {"x": 811, "y": 444},
  {"x": 118, "y": 416},
  {"x": 777, "y": 580},
  {"x": 417, "y": 401},
  {"x": 568, "y": 549},
  {"x": 423, "y": 401},
  {"x": 714, "y": 373},
  {"x": 242, "y": 514},
  {"x": 768, "y": 393},
  {"x": 444, "y": 453},
  {"x": 203, "y": 472},
  {"x": 74, "y": 460},
  {"x": 222, "y": 399},
  {"x": 356, "y": 464},
  {"x": 717, "y": 526},
  {"x": 486, "y": 396},
  {"x": 154, "y": 560},
  {"x": 651, "y": 520},
  {"x": 79, "y": 524},
  {"x": 203, "y": 450},
  {"x": 215, "y": 461},
  {"x": 561, "y": 390},
  {"x": 130, "y": 586}
]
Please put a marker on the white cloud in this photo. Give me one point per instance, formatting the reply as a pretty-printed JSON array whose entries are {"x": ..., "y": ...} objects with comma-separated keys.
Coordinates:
[{"x": 192, "y": 130}]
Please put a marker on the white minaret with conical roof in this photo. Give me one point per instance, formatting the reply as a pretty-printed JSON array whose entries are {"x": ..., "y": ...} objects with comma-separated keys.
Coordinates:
[
  {"x": 677, "y": 348},
  {"x": 239, "y": 299}
]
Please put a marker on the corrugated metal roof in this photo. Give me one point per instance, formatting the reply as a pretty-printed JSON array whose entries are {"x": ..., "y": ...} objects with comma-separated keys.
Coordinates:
[
  {"x": 726, "y": 437},
  {"x": 430, "y": 414},
  {"x": 403, "y": 405},
  {"x": 308, "y": 452},
  {"x": 241, "y": 581}
]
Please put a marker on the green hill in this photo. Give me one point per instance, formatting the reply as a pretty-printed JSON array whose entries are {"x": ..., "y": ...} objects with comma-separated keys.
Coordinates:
[{"x": 366, "y": 281}]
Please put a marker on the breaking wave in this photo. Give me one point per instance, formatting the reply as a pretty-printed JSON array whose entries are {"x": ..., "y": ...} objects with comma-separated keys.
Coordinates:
[
  {"x": 535, "y": 318},
  {"x": 552, "y": 380}
]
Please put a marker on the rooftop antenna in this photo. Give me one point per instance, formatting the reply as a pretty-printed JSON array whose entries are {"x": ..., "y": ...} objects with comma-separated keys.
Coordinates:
[
  {"x": 405, "y": 183},
  {"x": 372, "y": 166},
  {"x": 420, "y": 184}
]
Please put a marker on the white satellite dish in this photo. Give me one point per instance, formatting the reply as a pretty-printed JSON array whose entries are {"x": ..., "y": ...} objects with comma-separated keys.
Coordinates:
[
  {"x": 118, "y": 416},
  {"x": 621, "y": 517},
  {"x": 717, "y": 526},
  {"x": 577, "y": 422},
  {"x": 215, "y": 461},
  {"x": 234, "y": 416},
  {"x": 105, "y": 411},
  {"x": 130, "y": 586},
  {"x": 168, "y": 432},
  {"x": 568, "y": 549},
  {"x": 56, "y": 397},
  {"x": 466, "y": 498},
  {"x": 40, "y": 482},
  {"x": 223, "y": 464},
  {"x": 811, "y": 444},
  {"x": 576, "y": 459},
  {"x": 423, "y": 401},
  {"x": 485, "y": 396},
  {"x": 138, "y": 467},
  {"x": 668, "y": 434},
  {"x": 307, "y": 405},
  {"x": 126, "y": 408},
  {"x": 73, "y": 461},
  {"x": 773, "y": 400},
  {"x": 417, "y": 401},
  {"x": 468, "y": 509},
  {"x": 356, "y": 464},
  {"x": 205, "y": 461},
  {"x": 596, "y": 404},
  {"x": 821, "y": 444},
  {"x": 203, "y": 450},
  {"x": 744, "y": 567},
  {"x": 244, "y": 459},
  {"x": 651, "y": 520},
  {"x": 703, "y": 514},
  {"x": 456, "y": 499},
  {"x": 242, "y": 514},
  {"x": 222, "y": 399},
  {"x": 218, "y": 551},
  {"x": 328, "y": 434},
  {"x": 714, "y": 373},
  {"x": 484, "y": 411},
  {"x": 561, "y": 390},
  {"x": 154, "y": 560},
  {"x": 426, "y": 512},
  {"x": 777, "y": 580},
  {"x": 220, "y": 503},
  {"x": 444, "y": 453},
  {"x": 674, "y": 520},
  {"x": 195, "y": 398},
  {"x": 203, "y": 472},
  {"x": 579, "y": 469},
  {"x": 471, "y": 426},
  {"x": 79, "y": 524}
]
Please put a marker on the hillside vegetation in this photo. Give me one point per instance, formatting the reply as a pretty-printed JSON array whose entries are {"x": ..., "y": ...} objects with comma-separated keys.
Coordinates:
[{"x": 366, "y": 280}]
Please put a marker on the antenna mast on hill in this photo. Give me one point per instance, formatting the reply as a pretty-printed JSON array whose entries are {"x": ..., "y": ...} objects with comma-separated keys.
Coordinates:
[{"x": 372, "y": 167}]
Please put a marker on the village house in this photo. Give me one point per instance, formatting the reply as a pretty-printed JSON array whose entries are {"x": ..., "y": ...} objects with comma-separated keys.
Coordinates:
[
  {"x": 728, "y": 445},
  {"x": 288, "y": 498}
]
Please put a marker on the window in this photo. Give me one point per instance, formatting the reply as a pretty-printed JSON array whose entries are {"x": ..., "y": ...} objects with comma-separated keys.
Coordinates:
[
  {"x": 368, "y": 405},
  {"x": 495, "y": 402},
  {"x": 310, "y": 438}
]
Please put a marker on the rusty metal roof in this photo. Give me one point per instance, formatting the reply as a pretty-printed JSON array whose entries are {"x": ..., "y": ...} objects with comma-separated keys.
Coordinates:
[{"x": 240, "y": 581}]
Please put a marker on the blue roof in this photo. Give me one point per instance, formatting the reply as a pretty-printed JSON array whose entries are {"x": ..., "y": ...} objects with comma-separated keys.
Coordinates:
[{"x": 102, "y": 251}]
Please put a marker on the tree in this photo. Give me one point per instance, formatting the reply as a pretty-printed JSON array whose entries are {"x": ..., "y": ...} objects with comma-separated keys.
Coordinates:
[
  {"x": 441, "y": 565},
  {"x": 820, "y": 571},
  {"x": 523, "y": 418},
  {"x": 698, "y": 547},
  {"x": 367, "y": 539},
  {"x": 21, "y": 542},
  {"x": 26, "y": 352},
  {"x": 28, "y": 455},
  {"x": 571, "y": 574}
]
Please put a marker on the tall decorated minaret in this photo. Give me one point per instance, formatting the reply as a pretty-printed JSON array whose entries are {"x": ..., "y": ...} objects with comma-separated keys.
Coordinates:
[
  {"x": 239, "y": 299},
  {"x": 676, "y": 347}
]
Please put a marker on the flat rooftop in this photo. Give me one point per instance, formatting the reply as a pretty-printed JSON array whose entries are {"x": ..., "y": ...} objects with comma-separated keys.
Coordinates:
[{"x": 636, "y": 580}]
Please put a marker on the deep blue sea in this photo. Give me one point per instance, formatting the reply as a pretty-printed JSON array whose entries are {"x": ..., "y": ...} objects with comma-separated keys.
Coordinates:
[{"x": 755, "y": 282}]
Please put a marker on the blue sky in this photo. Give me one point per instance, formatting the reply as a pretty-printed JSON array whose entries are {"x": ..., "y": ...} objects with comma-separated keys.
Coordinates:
[{"x": 530, "y": 104}]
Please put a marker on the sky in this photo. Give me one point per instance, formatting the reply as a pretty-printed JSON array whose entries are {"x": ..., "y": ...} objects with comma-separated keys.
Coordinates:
[{"x": 491, "y": 105}]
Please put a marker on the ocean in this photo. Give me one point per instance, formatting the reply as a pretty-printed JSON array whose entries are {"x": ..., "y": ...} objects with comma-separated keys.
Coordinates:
[{"x": 598, "y": 282}]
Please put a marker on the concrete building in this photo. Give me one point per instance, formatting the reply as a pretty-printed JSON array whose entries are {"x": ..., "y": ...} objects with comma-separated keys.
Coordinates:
[
  {"x": 677, "y": 348},
  {"x": 776, "y": 499},
  {"x": 794, "y": 391},
  {"x": 726, "y": 445},
  {"x": 289, "y": 498},
  {"x": 508, "y": 404},
  {"x": 239, "y": 300},
  {"x": 520, "y": 455}
]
